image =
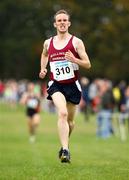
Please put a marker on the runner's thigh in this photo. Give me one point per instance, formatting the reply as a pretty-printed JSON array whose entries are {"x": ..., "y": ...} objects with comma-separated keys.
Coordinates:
[{"x": 59, "y": 100}]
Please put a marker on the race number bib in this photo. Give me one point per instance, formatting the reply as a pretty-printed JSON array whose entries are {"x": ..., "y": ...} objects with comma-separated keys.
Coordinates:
[
  {"x": 62, "y": 70},
  {"x": 32, "y": 103}
]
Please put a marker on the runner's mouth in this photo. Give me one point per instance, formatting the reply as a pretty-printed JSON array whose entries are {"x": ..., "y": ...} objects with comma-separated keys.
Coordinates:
[{"x": 62, "y": 26}]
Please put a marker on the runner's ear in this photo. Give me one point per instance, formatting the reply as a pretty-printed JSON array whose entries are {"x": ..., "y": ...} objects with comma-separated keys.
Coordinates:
[
  {"x": 54, "y": 24},
  {"x": 69, "y": 24}
]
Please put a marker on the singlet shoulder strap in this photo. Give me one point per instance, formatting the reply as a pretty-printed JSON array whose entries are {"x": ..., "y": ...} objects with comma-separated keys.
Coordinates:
[
  {"x": 50, "y": 43},
  {"x": 71, "y": 39},
  {"x": 51, "y": 40}
]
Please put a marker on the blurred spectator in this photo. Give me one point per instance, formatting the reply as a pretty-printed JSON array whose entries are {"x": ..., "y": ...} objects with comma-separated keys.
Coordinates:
[
  {"x": 11, "y": 93},
  {"x": 2, "y": 87},
  {"x": 117, "y": 96},
  {"x": 22, "y": 87},
  {"x": 93, "y": 95},
  {"x": 104, "y": 117},
  {"x": 124, "y": 115}
]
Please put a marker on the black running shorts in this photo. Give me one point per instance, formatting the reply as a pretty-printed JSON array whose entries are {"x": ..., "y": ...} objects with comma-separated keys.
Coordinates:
[
  {"x": 30, "y": 112},
  {"x": 71, "y": 91}
]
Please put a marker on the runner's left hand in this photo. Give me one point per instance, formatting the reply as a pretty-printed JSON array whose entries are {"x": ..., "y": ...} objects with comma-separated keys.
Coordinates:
[{"x": 69, "y": 56}]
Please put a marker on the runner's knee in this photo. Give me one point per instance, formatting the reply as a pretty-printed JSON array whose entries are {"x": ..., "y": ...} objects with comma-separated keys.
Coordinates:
[{"x": 63, "y": 114}]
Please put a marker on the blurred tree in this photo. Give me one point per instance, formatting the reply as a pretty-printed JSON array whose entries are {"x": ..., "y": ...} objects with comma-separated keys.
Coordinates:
[{"x": 103, "y": 26}]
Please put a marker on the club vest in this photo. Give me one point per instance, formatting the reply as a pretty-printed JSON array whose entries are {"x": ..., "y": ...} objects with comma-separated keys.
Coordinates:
[{"x": 61, "y": 69}]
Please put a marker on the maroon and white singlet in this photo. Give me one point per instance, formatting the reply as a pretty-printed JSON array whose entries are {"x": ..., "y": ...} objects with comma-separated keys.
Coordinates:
[{"x": 61, "y": 69}]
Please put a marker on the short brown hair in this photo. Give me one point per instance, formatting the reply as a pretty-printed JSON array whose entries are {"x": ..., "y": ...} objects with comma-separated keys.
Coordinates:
[{"x": 62, "y": 11}]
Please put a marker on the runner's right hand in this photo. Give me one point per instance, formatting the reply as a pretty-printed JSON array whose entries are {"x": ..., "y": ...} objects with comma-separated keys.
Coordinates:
[{"x": 43, "y": 73}]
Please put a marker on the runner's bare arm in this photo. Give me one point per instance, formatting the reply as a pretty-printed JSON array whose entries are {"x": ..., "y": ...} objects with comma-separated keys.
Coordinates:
[
  {"x": 84, "y": 59},
  {"x": 23, "y": 99},
  {"x": 44, "y": 60}
]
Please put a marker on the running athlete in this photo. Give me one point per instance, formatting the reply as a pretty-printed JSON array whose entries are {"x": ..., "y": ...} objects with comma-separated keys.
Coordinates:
[
  {"x": 65, "y": 53},
  {"x": 32, "y": 101}
]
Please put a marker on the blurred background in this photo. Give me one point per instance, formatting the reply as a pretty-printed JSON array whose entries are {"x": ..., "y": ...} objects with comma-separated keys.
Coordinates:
[
  {"x": 101, "y": 24},
  {"x": 103, "y": 112}
]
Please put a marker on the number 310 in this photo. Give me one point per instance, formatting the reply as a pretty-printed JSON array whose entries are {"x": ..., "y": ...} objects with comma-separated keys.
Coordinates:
[{"x": 62, "y": 70}]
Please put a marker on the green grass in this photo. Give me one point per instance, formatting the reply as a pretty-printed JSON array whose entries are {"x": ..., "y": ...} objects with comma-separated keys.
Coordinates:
[{"x": 92, "y": 158}]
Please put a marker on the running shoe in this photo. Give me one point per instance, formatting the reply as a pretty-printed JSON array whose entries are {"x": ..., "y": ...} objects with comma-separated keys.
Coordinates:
[{"x": 65, "y": 157}]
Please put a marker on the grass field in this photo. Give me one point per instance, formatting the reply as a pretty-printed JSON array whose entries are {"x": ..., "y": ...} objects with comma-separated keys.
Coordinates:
[{"x": 92, "y": 158}]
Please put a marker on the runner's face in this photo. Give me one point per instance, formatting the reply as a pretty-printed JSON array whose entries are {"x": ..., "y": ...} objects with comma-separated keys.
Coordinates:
[{"x": 62, "y": 23}]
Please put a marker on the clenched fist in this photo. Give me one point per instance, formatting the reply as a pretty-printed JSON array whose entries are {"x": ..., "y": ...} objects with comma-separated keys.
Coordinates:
[
  {"x": 43, "y": 73},
  {"x": 69, "y": 56}
]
